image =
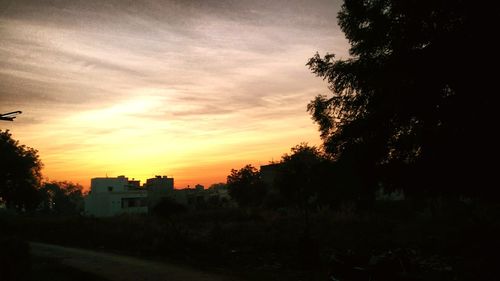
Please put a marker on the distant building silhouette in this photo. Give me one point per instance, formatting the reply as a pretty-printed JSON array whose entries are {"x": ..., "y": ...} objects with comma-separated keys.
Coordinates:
[
  {"x": 160, "y": 183},
  {"x": 114, "y": 196},
  {"x": 158, "y": 188}
]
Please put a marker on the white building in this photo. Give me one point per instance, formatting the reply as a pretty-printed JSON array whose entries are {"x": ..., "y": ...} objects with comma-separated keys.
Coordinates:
[{"x": 113, "y": 196}]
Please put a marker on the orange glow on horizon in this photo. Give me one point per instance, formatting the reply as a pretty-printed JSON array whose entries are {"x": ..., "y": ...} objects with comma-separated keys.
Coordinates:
[{"x": 164, "y": 87}]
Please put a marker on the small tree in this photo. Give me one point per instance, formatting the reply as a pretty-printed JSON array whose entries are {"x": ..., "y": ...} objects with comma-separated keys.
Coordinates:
[
  {"x": 62, "y": 198},
  {"x": 20, "y": 174},
  {"x": 246, "y": 186},
  {"x": 299, "y": 179}
]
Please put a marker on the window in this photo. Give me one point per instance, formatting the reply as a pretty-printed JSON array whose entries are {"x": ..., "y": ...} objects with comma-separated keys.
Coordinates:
[{"x": 133, "y": 202}]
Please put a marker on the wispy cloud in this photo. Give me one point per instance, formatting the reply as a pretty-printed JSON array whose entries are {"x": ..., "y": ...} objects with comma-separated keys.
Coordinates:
[{"x": 145, "y": 87}]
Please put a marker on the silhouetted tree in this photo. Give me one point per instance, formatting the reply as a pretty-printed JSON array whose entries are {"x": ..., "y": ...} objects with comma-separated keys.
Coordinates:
[
  {"x": 217, "y": 198},
  {"x": 218, "y": 186},
  {"x": 410, "y": 107},
  {"x": 299, "y": 179},
  {"x": 61, "y": 198},
  {"x": 20, "y": 174},
  {"x": 246, "y": 186}
]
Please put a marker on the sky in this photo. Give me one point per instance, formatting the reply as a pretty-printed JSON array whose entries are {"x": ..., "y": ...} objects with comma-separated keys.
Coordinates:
[{"x": 189, "y": 89}]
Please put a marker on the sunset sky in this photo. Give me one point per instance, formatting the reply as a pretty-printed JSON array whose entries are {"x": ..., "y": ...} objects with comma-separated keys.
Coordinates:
[{"x": 188, "y": 89}]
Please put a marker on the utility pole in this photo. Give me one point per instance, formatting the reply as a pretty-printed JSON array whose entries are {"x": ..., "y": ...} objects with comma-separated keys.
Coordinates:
[{"x": 9, "y": 116}]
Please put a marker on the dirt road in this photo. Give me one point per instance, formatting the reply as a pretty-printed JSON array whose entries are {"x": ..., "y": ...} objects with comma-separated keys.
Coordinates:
[{"x": 122, "y": 268}]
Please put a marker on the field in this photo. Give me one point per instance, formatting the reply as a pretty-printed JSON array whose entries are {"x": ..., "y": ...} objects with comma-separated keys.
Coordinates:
[{"x": 453, "y": 241}]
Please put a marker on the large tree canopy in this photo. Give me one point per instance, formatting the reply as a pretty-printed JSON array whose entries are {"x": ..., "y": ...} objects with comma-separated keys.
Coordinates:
[
  {"x": 20, "y": 173},
  {"x": 410, "y": 107}
]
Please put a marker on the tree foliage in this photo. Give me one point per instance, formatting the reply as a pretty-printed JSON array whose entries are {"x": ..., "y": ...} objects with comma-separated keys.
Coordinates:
[
  {"x": 408, "y": 108},
  {"x": 246, "y": 186},
  {"x": 20, "y": 173},
  {"x": 61, "y": 198},
  {"x": 301, "y": 176},
  {"x": 218, "y": 186}
]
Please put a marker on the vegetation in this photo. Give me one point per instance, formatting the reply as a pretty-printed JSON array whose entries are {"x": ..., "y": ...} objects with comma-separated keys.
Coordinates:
[
  {"x": 406, "y": 112},
  {"x": 246, "y": 186},
  {"x": 21, "y": 186},
  {"x": 453, "y": 242},
  {"x": 407, "y": 108},
  {"x": 61, "y": 198},
  {"x": 20, "y": 174},
  {"x": 299, "y": 176}
]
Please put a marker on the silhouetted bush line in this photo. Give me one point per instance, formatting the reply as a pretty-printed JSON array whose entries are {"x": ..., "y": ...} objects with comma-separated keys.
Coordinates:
[{"x": 453, "y": 242}]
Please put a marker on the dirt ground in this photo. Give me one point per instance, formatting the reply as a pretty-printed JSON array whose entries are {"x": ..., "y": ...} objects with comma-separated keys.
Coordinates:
[{"x": 122, "y": 268}]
